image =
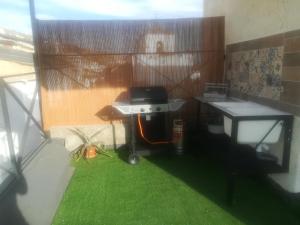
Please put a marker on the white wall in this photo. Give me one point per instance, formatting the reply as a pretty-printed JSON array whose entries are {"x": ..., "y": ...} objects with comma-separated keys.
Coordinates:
[
  {"x": 247, "y": 20},
  {"x": 251, "y": 19},
  {"x": 213, "y": 8}
]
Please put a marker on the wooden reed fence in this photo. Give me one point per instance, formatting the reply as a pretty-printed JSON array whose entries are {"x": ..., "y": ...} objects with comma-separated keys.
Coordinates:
[{"x": 86, "y": 65}]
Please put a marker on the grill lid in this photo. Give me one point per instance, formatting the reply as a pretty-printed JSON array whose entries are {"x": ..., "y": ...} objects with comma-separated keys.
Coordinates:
[{"x": 148, "y": 95}]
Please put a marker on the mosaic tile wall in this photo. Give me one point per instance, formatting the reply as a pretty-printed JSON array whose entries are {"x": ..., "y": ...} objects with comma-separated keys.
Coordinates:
[{"x": 256, "y": 72}]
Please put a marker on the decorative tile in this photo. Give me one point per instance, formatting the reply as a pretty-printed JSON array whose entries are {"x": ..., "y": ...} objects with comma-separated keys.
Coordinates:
[{"x": 256, "y": 72}]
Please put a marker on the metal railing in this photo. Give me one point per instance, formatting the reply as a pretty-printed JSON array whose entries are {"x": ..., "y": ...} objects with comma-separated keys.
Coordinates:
[{"x": 17, "y": 123}]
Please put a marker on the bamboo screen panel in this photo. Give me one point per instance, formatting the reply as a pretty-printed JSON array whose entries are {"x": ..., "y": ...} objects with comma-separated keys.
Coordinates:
[{"x": 86, "y": 65}]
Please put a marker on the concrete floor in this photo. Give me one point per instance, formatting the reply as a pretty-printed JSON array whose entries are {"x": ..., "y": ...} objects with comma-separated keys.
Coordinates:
[{"x": 35, "y": 196}]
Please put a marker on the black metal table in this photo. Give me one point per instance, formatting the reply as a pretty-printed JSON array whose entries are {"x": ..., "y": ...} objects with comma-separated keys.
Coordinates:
[{"x": 268, "y": 114}]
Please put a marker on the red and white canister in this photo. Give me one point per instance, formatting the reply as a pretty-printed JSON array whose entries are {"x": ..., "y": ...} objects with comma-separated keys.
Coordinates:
[{"x": 178, "y": 136}]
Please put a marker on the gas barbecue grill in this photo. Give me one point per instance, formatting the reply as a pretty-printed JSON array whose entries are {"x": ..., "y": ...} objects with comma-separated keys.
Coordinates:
[{"x": 148, "y": 109}]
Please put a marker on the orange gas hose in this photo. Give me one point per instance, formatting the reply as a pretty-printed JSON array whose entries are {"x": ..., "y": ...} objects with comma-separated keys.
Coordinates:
[{"x": 143, "y": 136}]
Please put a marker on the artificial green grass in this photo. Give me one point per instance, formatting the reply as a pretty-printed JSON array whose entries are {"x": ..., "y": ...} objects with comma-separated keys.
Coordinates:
[{"x": 165, "y": 191}]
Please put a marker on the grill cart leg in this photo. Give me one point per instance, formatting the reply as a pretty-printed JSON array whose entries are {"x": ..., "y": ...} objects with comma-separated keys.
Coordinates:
[{"x": 133, "y": 156}]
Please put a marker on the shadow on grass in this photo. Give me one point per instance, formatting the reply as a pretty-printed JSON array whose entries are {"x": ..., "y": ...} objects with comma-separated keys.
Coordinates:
[
  {"x": 122, "y": 153},
  {"x": 256, "y": 202}
]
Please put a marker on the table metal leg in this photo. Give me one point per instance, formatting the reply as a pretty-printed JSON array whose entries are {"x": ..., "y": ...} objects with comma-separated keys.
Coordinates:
[
  {"x": 230, "y": 188},
  {"x": 198, "y": 113},
  {"x": 288, "y": 125},
  {"x": 231, "y": 170}
]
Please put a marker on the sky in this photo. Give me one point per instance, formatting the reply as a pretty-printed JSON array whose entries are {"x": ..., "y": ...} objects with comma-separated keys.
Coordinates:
[{"x": 14, "y": 14}]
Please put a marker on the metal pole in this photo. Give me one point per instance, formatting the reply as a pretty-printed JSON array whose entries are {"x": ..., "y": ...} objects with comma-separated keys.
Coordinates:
[
  {"x": 133, "y": 157},
  {"x": 36, "y": 55},
  {"x": 33, "y": 21}
]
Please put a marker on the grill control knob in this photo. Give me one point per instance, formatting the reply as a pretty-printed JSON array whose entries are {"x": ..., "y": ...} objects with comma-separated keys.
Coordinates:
[
  {"x": 158, "y": 109},
  {"x": 142, "y": 110}
]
